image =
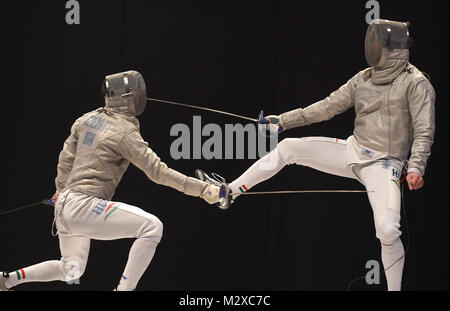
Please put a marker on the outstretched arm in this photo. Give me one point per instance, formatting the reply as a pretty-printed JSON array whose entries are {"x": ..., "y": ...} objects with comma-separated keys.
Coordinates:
[
  {"x": 338, "y": 102},
  {"x": 136, "y": 150}
]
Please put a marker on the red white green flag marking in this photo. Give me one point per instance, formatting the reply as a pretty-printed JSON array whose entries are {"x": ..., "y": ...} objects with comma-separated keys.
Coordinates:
[
  {"x": 20, "y": 274},
  {"x": 243, "y": 188},
  {"x": 110, "y": 209}
]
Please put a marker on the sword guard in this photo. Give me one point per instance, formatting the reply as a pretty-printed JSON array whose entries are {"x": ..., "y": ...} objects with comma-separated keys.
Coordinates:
[{"x": 261, "y": 119}]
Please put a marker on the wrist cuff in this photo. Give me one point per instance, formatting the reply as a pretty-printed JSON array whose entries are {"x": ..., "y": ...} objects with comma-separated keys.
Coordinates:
[
  {"x": 292, "y": 119},
  {"x": 414, "y": 170}
]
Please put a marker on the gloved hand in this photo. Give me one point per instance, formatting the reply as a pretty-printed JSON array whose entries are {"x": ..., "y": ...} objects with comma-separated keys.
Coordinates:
[
  {"x": 272, "y": 123},
  {"x": 211, "y": 194}
]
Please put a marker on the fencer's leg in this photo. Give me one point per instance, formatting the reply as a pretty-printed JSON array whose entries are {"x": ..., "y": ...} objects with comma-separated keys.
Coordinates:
[
  {"x": 321, "y": 153},
  {"x": 74, "y": 251},
  {"x": 42, "y": 272},
  {"x": 261, "y": 170},
  {"x": 381, "y": 180},
  {"x": 139, "y": 258},
  {"x": 142, "y": 250},
  {"x": 106, "y": 220},
  {"x": 74, "y": 256},
  {"x": 393, "y": 259}
]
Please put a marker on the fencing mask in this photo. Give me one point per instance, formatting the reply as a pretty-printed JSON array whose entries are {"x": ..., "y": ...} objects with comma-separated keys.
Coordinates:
[
  {"x": 125, "y": 92},
  {"x": 383, "y": 36}
]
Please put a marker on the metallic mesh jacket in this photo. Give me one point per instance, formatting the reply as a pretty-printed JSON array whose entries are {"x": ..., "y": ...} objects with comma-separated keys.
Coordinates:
[
  {"x": 99, "y": 149},
  {"x": 393, "y": 118}
]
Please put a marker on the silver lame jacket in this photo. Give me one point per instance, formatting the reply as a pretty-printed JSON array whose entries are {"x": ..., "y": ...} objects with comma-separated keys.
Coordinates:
[
  {"x": 99, "y": 150},
  {"x": 393, "y": 118}
]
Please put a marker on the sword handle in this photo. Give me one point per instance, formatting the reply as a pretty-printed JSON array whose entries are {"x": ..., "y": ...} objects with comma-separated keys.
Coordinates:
[{"x": 48, "y": 202}]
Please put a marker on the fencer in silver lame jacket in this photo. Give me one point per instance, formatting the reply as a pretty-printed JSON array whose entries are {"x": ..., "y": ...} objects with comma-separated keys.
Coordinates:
[
  {"x": 393, "y": 100},
  {"x": 105, "y": 141}
]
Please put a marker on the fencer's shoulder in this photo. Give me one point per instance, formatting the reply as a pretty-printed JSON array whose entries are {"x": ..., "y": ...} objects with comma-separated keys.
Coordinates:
[
  {"x": 125, "y": 121},
  {"x": 121, "y": 122},
  {"x": 83, "y": 117},
  {"x": 132, "y": 140},
  {"x": 416, "y": 78},
  {"x": 126, "y": 131},
  {"x": 86, "y": 115},
  {"x": 414, "y": 74},
  {"x": 129, "y": 125},
  {"x": 363, "y": 75}
]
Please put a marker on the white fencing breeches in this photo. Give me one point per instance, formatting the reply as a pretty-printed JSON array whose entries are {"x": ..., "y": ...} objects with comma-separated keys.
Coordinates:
[
  {"x": 80, "y": 218},
  {"x": 380, "y": 178}
]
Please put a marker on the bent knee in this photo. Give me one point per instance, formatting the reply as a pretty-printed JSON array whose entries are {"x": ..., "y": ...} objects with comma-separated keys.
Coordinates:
[
  {"x": 290, "y": 147},
  {"x": 72, "y": 268},
  {"x": 388, "y": 233},
  {"x": 153, "y": 229}
]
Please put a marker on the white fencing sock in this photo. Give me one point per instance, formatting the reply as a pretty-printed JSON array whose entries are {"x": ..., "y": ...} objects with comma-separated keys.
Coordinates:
[
  {"x": 42, "y": 272},
  {"x": 140, "y": 256},
  {"x": 389, "y": 255}
]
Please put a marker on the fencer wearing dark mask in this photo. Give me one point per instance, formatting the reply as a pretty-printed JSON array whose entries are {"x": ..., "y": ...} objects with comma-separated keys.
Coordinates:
[
  {"x": 394, "y": 125},
  {"x": 91, "y": 164}
]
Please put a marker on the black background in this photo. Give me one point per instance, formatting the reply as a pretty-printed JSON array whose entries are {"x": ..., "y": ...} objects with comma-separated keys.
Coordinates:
[{"x": 237, "y": 56}]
